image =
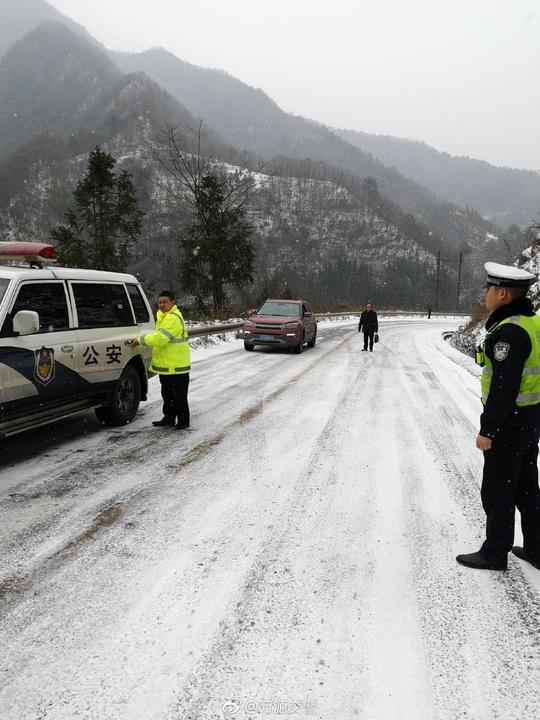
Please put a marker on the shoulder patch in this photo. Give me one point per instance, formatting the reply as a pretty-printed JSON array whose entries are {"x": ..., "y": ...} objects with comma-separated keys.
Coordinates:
[{"x": 500, "y": 351}]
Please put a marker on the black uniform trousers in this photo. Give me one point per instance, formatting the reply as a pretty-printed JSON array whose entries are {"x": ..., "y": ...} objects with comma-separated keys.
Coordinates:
[
  {"x": 368, "y": 338},
  {"x": 510, "y": 480},
  {"x": 174, "y": 391}
]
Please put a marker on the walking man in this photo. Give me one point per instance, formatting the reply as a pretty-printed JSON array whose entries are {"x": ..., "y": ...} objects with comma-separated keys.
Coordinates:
[
  {"x": 369, "y": 324},
  {"x": 170, "y": 360},
  {"x": 510, "y": 422}
]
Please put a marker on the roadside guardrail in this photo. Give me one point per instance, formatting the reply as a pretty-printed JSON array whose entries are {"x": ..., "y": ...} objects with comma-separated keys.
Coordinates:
[{"x": 205, "y": 330}]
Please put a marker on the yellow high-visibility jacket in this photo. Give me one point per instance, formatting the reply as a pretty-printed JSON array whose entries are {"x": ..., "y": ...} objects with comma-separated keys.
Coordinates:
[
  {"x": 529, "y": 389},
  {"x": 169, "y": 343}
]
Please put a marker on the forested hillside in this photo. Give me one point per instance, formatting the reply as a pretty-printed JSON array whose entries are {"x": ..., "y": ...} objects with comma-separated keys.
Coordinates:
[{"x": 504, "y": 195}]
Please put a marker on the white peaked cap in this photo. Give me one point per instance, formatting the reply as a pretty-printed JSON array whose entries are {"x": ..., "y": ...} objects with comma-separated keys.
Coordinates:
[{"x": 508, "y": 275}]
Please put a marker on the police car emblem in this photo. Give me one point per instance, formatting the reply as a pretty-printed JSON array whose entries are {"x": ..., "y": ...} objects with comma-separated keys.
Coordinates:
[
  {"x": 500, "y": 351},
  {"x": 44, "y": 369}
]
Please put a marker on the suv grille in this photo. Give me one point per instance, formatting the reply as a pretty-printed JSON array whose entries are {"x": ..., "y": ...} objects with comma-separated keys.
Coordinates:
[{"x": 262, "y": 326}]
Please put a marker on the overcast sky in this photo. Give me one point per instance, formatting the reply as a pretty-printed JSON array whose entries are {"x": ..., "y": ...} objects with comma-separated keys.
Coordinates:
[{"x": 460, "y": 75}]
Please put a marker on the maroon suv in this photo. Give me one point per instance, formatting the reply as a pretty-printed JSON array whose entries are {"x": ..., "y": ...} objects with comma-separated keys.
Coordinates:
[{"x": 281, "y": 323}]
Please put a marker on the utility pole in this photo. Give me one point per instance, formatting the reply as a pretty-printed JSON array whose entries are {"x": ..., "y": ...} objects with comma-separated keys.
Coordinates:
[
  {"x": 437, "y": 279},
  {"x": 460, "y": 264}
]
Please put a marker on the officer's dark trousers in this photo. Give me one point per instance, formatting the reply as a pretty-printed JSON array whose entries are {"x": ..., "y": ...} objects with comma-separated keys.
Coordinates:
[
  {"x": 510, "y": 480},
  {"x": 174, "y": 391},
  {"x": 368, "y": 338}
]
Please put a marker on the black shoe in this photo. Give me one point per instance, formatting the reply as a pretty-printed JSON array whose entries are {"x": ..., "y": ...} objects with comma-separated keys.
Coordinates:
[
  {"x": 182, "y": 425},
  {"x": 477, "y": 561},
  {"x": 370, "y": 349},
  {"x": 520, "y": 553},
  {"x": 364, "y": 349},
  {"x": 164, "y": 421}
]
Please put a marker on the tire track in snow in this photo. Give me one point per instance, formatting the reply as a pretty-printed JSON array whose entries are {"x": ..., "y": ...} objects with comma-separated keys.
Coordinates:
[
  {"x": 462, "y": 643},
  {"x": 268, "y": 601},
  {"x": 78, "y": 477}
]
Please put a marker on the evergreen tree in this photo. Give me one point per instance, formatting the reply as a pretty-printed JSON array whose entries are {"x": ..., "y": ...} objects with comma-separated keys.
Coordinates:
[
  {"x": 218, "y": 249},
  {"x": 105, "y": 220},
  {"x": 370, "y": 193}
]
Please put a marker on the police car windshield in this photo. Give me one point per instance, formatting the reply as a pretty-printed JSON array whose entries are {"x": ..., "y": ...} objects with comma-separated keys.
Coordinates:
[
  {"x": 4, "y": 282},
  {"x": 286, "y": 309}
]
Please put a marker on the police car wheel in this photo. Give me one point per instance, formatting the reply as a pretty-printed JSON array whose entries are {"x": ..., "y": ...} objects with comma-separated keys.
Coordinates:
[{"x": 124, "y": 401}]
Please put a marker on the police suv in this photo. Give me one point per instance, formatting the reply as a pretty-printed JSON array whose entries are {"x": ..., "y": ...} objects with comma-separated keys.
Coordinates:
[{"x": 65, "y": 340}]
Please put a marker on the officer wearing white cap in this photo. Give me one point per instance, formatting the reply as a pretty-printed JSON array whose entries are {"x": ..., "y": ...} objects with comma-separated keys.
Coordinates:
[{"x": 510, "y": 422}]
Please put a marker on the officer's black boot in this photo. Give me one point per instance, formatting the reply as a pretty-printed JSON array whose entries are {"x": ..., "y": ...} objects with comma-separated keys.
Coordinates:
[
  {"x": 477, "y": 561},
  {"x": 520, "y": 553},
  {"x": 163, "y": 422}
]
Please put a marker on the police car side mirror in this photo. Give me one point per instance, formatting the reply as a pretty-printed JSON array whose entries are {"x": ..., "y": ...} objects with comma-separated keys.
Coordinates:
[{"x": 26, "y": 322}]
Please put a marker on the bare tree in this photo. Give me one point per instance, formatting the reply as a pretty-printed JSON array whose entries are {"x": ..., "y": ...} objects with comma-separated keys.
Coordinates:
[{"x": 217, "y": 247}]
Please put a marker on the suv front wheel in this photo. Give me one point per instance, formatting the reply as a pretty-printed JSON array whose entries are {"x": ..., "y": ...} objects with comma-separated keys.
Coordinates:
[
  {"x": 298, "y": 348},
  {"x": 124, "y": 400}
]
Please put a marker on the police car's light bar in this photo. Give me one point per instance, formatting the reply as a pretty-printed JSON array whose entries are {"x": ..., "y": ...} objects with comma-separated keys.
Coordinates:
[{"x": 28, "y": 252}]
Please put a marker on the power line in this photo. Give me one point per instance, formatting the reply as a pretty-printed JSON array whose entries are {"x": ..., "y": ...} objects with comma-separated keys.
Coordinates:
[
  {"x": 162, "y": 63},
  {"x": 78, "y": 7}
]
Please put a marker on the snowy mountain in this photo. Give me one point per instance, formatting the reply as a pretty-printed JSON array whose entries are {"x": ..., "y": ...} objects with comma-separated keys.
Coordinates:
[
  {"x": 314, "y": 237},
  {"x": 248, "y": 119},
  {"x": 503, "y": 195},
  {"x": 61, "y": 95}
]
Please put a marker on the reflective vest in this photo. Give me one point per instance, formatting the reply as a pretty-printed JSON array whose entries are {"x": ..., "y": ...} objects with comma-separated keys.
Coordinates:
[
  {"x": 529, "y": 389},
  {"x": 169, "y": 343}
]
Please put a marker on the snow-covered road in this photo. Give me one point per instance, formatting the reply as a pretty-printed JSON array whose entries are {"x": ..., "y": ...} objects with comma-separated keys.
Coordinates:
[{"x": 291, "y": 555}]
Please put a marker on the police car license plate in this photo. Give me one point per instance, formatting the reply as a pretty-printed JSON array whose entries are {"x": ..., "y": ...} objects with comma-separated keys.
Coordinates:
[{"x": 266, "y": 337}]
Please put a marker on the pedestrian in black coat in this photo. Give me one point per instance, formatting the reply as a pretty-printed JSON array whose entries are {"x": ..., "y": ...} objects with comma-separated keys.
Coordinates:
[{"x": 369, "y": 325}]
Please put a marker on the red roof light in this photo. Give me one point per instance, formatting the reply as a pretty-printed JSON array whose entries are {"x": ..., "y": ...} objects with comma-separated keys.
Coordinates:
[
  {"x": 28, "y": 252},
  {"x": 49, "y": 252}
]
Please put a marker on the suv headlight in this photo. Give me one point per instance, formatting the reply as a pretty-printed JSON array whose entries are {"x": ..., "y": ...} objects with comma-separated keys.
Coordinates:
[
  {"x": 248, "y": 323},
  {"x": 290, "y": 325}
]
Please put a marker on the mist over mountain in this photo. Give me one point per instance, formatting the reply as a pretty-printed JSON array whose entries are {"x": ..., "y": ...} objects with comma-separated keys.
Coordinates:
[
  {"x": 51, "y": 80},
  {"x": 503, "y": 195},
  {"x": 19, "y": 17}
]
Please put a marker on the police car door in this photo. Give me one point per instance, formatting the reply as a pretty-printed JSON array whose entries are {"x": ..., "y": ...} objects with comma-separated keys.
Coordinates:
[
  {"x": 105, "y": 328},
  {"x": 37, "y": 370}
]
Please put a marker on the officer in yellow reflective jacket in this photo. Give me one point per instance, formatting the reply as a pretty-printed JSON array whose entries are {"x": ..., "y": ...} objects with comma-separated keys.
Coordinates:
[
  {"x": 510, "y": 422},
  {"x": 170, "y": 360}
]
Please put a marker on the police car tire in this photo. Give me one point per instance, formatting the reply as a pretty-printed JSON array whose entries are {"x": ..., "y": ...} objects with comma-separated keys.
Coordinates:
[
  {"x": 124, "y": 401},
  {"x": 249, "y": 347}
]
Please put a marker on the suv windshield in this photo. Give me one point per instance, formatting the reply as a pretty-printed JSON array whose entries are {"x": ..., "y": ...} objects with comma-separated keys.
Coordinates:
[
  {"x": 4, "y": 282},
  {"x": 274, "y": 308}
]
